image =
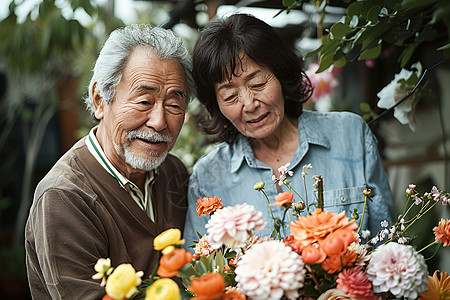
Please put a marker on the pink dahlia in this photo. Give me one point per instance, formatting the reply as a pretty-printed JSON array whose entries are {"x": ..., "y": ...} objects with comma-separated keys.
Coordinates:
[
  {"x": 233, "y": 225},
  {"x": 354, "y": 282},
  {"x": 270, "y": 270},
  {"x": 398, "y": 269}
]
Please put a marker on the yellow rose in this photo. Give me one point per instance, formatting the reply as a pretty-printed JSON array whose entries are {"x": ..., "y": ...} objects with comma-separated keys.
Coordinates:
[
  {"x": 123, "y": 281},
  {"x": 163, "y": 289},
  {"x": 168, "y": 238}
]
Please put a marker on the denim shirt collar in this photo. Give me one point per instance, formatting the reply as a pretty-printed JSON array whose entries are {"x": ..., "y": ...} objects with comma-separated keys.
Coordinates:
[{"x": 309, "y": 132}]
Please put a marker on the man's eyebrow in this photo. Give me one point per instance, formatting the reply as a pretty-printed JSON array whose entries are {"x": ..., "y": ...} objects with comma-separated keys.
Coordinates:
[{"x": 143, "y": 88}]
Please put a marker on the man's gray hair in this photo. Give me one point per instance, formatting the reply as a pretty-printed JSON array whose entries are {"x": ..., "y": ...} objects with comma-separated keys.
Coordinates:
[{"x": 117, "y": 48}]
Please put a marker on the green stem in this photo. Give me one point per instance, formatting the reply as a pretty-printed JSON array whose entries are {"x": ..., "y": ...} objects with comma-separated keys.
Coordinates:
[
  {"x": 362, "y": 217},
  {"x": 306, "y": 196},
  {"x": 268, "y": 202},
  {"x": 420, "y": 215},
  {"x": 429, "y": 245}
]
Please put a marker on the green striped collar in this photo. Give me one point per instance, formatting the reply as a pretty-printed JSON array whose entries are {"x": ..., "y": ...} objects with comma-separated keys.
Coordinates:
[{"x": 96, "y": 150}]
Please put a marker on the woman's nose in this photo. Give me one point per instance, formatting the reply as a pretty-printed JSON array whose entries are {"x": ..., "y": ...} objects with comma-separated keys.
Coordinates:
[{"x": 249, "y": 101}]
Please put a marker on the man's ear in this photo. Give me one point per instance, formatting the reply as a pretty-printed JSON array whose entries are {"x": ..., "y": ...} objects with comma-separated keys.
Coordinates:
[{"x": 99, "y": 104}]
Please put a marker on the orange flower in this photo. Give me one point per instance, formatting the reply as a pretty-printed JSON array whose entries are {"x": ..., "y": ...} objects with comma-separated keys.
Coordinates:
[
  {"x": 233, "y": 294},
  {"x": 207, "y": 205},
  {"x": 170, "y": 263},
  {"x": 335, "y": 263},
  {"x": 314, "y": 228},
  {"x": 207, "y": 286},
  {"x": 107, "y": 297},
  {"x": 442, "y": 232},
  {"x": 333, "y": 245},
  {"x": 332, "y": 264},
  {"x": 283, "y": 199},
  {"x": 438, "y": 288},
  {"x": 313, "y": 254},
  {"x": 338, "y": 241},
  {"x": 295, "y": 245}
]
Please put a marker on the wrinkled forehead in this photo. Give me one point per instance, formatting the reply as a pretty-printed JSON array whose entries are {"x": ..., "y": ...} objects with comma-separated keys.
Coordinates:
[{"x": 237, "y": 66}]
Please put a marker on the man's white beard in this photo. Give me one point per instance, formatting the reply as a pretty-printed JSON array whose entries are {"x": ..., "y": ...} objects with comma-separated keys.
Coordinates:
[{"x": 143, "y": 163}]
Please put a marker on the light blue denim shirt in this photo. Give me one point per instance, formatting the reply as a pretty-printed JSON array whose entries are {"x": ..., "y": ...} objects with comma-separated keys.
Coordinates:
[{"x": 339, "y": 146}]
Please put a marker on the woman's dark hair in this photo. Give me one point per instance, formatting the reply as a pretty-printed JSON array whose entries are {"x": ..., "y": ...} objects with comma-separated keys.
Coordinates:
[{"x": 219, "y": 51}]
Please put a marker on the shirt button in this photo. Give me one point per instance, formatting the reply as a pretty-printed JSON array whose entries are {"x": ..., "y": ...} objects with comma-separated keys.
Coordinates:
[{"x": 343, "y": 198}]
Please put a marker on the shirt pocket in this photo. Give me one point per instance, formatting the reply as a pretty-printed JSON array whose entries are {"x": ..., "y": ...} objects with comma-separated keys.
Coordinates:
[{"x": 347, "y": 199}]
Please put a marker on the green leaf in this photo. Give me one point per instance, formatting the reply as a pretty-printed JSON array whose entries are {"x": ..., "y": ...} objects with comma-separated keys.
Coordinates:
[
  {"x": 445, "y": 47},
  {"x": 354, "y": 9},
  {"x": 340, "y": 62},
  {"x": 287, "y": 3},
  {"x": 364, "y": 107},
  {"x": 200, "y": 267},
  {"x": 441, "y": 13},
  {"x": 373, "y": 13},
  {"x": 446, "y": 53},
  {"x": 410, "y": 4},
  {"x": 313, "y": 52},
  {"x": 339, "y": 30},
  {"x": 406, "y": 55},
  {"x": 354, "y": 22},
  {"x": 230, "y": 254},
  {"x": 324, "y": 62},
  {"x": 372, "y": 52}
]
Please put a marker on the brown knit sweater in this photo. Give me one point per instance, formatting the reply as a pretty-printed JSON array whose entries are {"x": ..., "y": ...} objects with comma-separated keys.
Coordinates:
[{"x": 80, "y": 213}]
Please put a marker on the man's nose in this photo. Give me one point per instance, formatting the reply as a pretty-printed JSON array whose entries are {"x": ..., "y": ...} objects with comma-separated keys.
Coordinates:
[{"x": 157, "y": 118}]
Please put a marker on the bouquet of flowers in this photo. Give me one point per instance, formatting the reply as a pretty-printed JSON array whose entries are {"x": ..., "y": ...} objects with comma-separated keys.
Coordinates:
[{"x": 323, "y": 257}]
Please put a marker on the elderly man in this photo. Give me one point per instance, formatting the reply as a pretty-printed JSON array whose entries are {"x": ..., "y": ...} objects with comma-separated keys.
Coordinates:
[{"x": 118, "y": 187}]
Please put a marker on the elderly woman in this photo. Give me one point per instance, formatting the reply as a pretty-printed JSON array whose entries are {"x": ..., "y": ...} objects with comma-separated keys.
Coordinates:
[{"x": 253, "y": 88}]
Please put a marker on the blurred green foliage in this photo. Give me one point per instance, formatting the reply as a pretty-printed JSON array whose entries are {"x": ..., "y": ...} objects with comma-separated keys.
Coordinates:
[{"x": 369, "y": 25}]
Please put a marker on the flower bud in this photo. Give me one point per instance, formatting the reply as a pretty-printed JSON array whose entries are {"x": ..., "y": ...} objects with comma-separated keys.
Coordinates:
[
  {"x": 355, "y": 214},
  {"x": 259, "y": 185},
  {"x": 409, "y": 192},
  {"x": 368, "y": 193},
  {"x": 299, "y": 206}
]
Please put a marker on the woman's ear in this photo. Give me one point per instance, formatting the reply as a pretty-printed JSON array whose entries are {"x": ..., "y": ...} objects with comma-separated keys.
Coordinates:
[{"x": 98, "y": 102}]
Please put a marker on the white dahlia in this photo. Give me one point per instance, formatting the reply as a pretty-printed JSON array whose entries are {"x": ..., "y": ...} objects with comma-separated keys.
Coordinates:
[
  {"x": 233, "y": 225},
  {"x": 398, "y": 269},
  {"x": 269, "y": 270}
]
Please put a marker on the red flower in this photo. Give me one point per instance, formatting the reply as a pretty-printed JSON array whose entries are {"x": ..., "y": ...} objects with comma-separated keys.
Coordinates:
[
  {"x": 207, "y": 205},
  {"x": 233, "y": 294},
  {"x": 207, "y": 286},
  {"x": 313, "y": 254},
  {"x": 354, "y": 282},
  {"x": 171, "y": 263}
]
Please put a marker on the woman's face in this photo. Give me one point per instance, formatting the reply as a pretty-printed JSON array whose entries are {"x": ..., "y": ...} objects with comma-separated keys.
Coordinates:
[{"x": 252, "y": 100}]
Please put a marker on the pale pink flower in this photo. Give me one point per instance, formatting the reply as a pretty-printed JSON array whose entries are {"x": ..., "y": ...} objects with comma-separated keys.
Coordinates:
[
  {"x": 398, "y": 269},
  {"x": 361, "y": 250},
  {"x": 270, "y": 270},
  {"x": 435, "y": 193},
  {"x": 335, "y": 294},
  {"x": 254, "y": 239},
  {"x": 384, "y": 223},
  {"x": 354, "y": 282},
  {"x": 203, "y": 247},
  {"x": 233, "y": 225},
  {"x": 323, "y": 82}
]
